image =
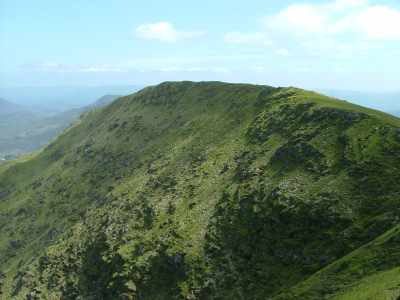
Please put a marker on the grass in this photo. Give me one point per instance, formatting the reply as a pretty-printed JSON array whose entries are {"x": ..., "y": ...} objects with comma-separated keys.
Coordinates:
[
  {"x": 202, "y": 191},
  {"x": 381, "y": 286}
]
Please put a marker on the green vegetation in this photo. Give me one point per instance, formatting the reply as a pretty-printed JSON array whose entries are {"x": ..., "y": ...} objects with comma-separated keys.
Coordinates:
[
  {"x": 370, "y": 272},
  {"x": 208, "y": 191}
]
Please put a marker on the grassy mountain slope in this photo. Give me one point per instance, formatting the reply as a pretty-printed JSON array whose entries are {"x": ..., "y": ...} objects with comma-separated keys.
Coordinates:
[
  {"x": 370, "y": 272},
  {"x": 203, "y": 191}
]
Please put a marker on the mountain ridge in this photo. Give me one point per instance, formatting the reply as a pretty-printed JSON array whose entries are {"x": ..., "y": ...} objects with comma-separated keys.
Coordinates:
[{"x": 199, "y": 191}]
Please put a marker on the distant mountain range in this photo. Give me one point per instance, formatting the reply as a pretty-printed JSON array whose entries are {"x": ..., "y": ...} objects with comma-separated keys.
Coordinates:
[
  {"x": 52, "y": 99},
  {"x": 10, "y": 111},
  {"x": 23, "y": 131},
  {"x": 8, "y": 108}
]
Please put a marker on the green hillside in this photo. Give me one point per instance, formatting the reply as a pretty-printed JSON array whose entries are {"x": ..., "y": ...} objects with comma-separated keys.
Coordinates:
[
  {"x": 208, "y": 191},
  {"x": 370, "y": 272}
]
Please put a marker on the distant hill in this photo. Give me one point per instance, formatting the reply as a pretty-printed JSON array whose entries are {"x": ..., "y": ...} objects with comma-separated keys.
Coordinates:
[
  {"x": 54, "y": 99},
  {"x": 22, "y": 131},
  {"x": 14, "y": 119},
  {"x": 208, "y": 191},
  {"x": 9, "y": 108}
]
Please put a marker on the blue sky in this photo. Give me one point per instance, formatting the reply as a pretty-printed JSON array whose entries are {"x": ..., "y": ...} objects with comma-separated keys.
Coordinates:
[{"x": 334, "y": 44}]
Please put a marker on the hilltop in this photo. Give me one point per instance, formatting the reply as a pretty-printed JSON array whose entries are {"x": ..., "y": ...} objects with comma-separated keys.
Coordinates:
[{"x": 208, "y": 190}]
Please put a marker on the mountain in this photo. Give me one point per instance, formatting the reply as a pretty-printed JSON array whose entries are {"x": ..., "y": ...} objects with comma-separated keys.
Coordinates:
[
  {"x": 208, "y": 190},
  {"x": 8, "y": 108},
  {"x": 13, "y": 120},
  {"x": 22, "y": 131}
]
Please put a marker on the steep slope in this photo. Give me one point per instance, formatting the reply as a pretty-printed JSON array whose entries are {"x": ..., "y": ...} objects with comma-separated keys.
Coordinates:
[
  {"x": 370, "y": 272},
  {"x": 200, "y": 191}
]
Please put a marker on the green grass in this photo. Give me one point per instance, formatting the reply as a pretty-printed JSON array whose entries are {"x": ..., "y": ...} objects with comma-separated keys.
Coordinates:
[
  {"x": 369, "y": 271},
  {"x": 380, "y": 286},
  {"x": 203, "y": 191}
]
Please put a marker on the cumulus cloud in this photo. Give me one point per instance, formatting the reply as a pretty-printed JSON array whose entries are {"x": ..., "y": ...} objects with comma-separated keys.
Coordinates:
[
  {"x": 298, "y": 19},
  {"x": 340, "y": 17},
  {"x": 164, "y": 32},
  {"x": 375, "y": 22}
]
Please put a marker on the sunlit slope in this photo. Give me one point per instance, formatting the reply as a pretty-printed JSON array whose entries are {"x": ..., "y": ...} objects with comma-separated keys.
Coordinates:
[
  {"x": 370, "y": 272},
  {"x": 199, "y": 191}
]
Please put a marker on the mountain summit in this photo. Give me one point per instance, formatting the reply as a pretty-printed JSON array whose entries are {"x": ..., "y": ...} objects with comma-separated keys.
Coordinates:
[{"x": 208, "y": 190}]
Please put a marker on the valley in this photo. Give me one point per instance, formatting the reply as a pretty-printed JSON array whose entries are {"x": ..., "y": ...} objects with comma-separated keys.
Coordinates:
[{"x": 23, "y": 130}]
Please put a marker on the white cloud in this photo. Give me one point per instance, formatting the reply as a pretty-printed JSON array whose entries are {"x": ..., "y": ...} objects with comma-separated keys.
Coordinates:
[
  {"x": 346, "y": 4},
  {"x": 299, "y": 19},
  {"x": 194, "y": 69},
  {"x": 70, "y": 68},
  {"x": 282, "y": 52},
  {"x": 256, "y": 38},
  {"x": 164, "y": 32},
  {"x": 213, "y": 64},
  {"x": 341, "y": 17},
  {"x": 374, "y": 22}
]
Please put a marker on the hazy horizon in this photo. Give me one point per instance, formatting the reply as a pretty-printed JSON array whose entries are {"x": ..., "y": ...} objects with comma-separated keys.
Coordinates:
[
  {"x": 324, "y": 44},
  {"x": 68, "y": 54}
]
